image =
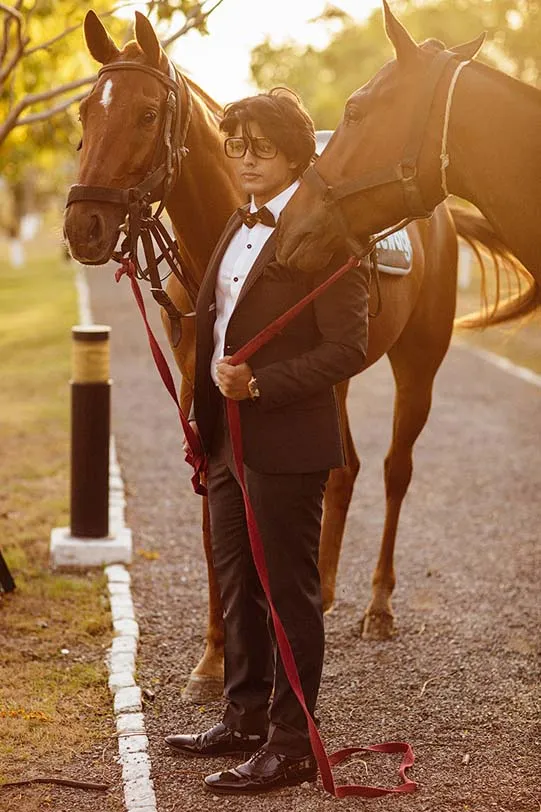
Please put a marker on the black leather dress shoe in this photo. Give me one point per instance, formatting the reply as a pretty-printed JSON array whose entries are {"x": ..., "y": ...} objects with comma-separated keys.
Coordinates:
[
  {"x": 264, "y": 771},
  {"x": 220, "y": 740}
]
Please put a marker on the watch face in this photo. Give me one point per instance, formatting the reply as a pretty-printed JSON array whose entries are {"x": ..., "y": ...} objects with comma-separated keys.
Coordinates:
[{"x": 253, "y": 388}]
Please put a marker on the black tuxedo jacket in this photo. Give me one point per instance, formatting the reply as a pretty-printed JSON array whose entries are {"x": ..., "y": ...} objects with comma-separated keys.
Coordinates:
[{"x": 293, "y": 427}]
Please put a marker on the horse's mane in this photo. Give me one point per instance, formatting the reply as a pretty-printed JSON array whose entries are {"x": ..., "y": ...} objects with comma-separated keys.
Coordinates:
[
  {"x": 209, "y": 101},
  {"x": 515, "y": 85},
  {"x": 132, "y": 51}
]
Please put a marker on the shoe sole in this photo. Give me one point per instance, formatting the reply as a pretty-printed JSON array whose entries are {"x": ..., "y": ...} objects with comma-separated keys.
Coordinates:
[
  {"x": 292, "y": 782},
  {"x": 194, "y": 754}
]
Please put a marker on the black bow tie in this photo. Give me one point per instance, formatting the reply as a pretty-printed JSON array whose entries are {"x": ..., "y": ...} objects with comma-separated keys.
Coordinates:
[{"x": 262, "y": 215}]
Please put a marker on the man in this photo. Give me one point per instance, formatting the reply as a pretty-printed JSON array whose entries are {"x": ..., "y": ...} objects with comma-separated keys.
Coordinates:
[{"x": 291, "y": 439}]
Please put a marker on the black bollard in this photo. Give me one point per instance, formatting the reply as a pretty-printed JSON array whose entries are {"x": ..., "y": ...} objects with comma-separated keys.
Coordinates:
[{"x": 90, "y": 431}]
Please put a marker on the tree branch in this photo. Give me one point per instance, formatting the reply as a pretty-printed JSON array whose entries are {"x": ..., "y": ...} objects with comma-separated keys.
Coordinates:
[
  {"x": 45, "y": 114},
  {"x": 34, "y": 98},
  {"x": 12, "y": 11},
  {"x": 197, "y": 17},
  {"x": 14, "y": 61},
  {"x": 44, "y": 45},
  {"x": 8, "y": 19},
  {"x": 12, "y": 14},
  {"x": 11, "y": 121}
]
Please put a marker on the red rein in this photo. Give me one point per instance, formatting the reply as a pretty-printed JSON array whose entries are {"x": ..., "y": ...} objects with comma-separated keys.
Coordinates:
[{"x": 195, "y": 457}]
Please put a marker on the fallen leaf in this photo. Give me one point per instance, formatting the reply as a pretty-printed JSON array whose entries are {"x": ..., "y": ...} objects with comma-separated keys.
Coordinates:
[{"x": 150, "y": 555}]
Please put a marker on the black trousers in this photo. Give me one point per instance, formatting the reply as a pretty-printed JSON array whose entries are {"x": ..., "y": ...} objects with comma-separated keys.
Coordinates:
[{"x": 288, "y": 510}]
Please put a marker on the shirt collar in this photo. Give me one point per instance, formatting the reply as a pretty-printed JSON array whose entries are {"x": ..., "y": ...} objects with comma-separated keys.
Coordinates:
[{"x": 279, "y": 202}]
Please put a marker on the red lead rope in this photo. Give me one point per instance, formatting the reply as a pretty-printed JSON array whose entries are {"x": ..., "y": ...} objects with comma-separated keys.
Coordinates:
[{"x": 196, "y": 458}]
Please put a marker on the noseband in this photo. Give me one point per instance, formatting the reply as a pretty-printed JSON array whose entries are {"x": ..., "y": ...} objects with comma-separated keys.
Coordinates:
[
  {"x": 406, "y": 172},
  {"x": 165, "y": 170}
]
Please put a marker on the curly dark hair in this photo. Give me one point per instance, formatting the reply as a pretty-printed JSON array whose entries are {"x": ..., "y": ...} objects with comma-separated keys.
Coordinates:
[{"x": 282, "y": 117}]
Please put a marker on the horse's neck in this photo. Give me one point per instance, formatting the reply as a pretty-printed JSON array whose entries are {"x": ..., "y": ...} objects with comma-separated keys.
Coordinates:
[
  {"x": 495, "y": 158},
  {"x": 205, "y": 195}
]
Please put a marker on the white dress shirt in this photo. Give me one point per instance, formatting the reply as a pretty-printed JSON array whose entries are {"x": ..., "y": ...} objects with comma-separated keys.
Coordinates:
[{"x": 236, "y": 264}]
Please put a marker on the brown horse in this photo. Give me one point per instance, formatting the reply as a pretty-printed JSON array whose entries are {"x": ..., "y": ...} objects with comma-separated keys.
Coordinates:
[
  {"x": 387, "y": 162},
  {"x": 480, "y": 141},
  {"x": 122, "y": 123}
]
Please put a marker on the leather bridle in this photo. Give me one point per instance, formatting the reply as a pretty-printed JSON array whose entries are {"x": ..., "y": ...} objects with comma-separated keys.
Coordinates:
[
  {"x": 141, "y": 223},
  {"x": 405, "y": 172}
]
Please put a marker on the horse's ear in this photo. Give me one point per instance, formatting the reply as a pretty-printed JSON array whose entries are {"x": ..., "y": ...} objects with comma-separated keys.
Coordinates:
[
  {"x": 148, "y": 41},
  {"x": 470, "y": 49},
  {"x": 98, "y": 41},
  {"x": 404, "y": 45}
]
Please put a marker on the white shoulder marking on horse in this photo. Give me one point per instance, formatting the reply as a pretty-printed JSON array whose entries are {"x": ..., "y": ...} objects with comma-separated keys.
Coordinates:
[{"x": 107, "y": 95}]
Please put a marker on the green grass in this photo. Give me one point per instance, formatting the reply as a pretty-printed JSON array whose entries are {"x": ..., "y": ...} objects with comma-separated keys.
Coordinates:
[{"x": 53, "y": 705}]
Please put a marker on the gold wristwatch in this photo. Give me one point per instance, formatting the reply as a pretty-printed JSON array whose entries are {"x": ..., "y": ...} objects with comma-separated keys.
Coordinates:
[{"x": 253, "y": 388}]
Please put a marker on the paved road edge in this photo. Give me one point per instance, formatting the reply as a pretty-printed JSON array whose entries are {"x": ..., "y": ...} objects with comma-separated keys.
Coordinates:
[{"x": 121, "y": 658}]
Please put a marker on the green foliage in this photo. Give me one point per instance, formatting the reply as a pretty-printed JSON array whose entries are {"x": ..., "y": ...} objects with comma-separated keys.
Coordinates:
[
  {"x": 41, "y": 154},
  {"x": 167, "y": 9},
  {"x": 64, "y": 61},
  {"x": 326, "y": 78}
]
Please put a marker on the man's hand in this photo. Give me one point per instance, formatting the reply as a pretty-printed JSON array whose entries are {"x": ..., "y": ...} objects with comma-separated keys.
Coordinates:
[
  {"x": 193, "y": 426},
  {"x": 233, "y": 381}
]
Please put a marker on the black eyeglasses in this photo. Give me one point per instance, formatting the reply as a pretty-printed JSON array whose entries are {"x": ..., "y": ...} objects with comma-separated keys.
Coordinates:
[{"x": 236, "y": 147}]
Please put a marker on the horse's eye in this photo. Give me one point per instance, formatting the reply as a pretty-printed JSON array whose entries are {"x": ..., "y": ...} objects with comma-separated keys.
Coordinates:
[
  {"x": 80, "y": 145},
  {"x": 150, "y": 117}
]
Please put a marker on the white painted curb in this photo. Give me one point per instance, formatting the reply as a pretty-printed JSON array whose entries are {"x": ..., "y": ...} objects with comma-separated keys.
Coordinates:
[{"x": 121, "y": 658}]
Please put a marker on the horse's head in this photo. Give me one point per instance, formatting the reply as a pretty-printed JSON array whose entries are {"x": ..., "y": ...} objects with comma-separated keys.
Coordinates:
[
  {"x": 369, "y": 145},
  {"x": 123, "y": 124}
]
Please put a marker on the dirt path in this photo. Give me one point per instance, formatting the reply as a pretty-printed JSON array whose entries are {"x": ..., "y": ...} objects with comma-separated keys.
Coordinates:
[{"x": 460, "y": 682}]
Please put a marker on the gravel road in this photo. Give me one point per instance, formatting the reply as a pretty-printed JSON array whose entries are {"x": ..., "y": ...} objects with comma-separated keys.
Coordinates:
[{"x": 460, "y": 681}]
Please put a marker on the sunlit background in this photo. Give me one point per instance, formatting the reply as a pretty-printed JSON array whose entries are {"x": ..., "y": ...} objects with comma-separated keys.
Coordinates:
[
  {"x": 231, "y": 48},
  {"x": 220, "y": 62}
]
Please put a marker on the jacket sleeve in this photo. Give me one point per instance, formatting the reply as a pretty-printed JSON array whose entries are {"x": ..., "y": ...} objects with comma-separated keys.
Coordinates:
[{"x": 341, "y": 314}]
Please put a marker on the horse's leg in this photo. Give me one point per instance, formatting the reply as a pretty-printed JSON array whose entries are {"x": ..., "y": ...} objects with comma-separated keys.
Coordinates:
[
  {"x": 415, "y": 359},
  {"x": 335, "y": 505},
  {"x": 206, "y": 681},
  {"x": 412, "y": 406}
]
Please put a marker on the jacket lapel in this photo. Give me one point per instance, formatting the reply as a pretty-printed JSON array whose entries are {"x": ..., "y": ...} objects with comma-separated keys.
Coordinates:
[
  {"x": 265, "y": 255},
  {"x": 208, "y": 285}
]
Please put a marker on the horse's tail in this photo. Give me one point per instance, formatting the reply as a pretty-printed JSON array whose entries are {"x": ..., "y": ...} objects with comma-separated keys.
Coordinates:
[{"x": 478, "y": 232}]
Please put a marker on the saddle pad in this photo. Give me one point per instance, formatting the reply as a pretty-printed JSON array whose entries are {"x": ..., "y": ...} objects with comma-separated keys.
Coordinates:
[{"x": 394, "y": 253}]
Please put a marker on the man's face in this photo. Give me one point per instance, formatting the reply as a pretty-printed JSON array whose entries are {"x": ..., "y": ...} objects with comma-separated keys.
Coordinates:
[{"x": 263, "y": 178}]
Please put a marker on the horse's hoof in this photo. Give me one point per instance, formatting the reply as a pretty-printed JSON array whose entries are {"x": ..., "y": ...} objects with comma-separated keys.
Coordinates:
[
  {"x": 378, "y": 626},
  {"x": 201, "y": 689},
  {"x": 327, "y": 598}
]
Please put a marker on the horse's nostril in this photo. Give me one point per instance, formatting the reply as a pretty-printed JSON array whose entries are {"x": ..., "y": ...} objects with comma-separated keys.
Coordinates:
[{"x": 95, "y": 228}]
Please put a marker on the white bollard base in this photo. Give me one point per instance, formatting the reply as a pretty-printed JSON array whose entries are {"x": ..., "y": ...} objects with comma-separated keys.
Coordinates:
[{"x": 68, "y": 551}]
